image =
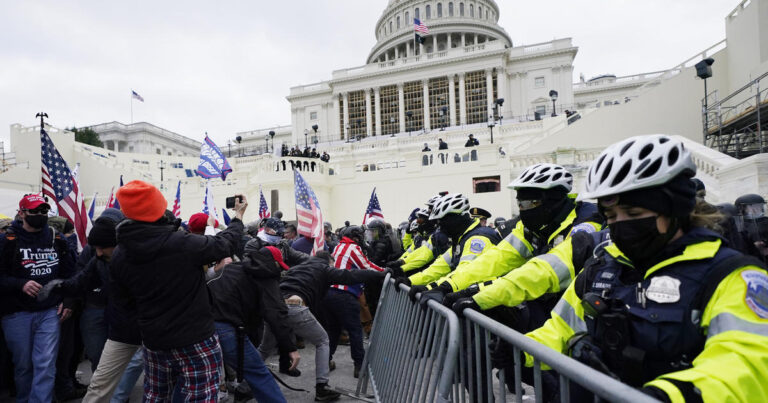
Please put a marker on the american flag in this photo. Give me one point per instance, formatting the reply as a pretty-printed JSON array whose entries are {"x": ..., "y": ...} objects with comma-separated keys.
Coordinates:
[
  {"x": 263, "y": 208},
  {"x": 177, "y": 202},
  {"x": 420, "y": 27},
  {"x": 308, "y": 214},
  {"x": 111, "y": 201},
  {"x": 134, "y": 95},
  {"x": 61, "y": 186},
  {"x": 373, "y": 210}
]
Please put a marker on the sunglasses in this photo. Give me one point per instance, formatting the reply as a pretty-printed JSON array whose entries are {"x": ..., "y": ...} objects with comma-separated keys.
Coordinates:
[
  {"x": 37, "y": 211},
  {"x": 528, "y": 204}
]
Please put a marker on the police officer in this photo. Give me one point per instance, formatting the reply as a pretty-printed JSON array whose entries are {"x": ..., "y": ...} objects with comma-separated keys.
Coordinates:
[
  {"x": 436, "y": 241},
  {"x": 480, "y": 213},
  {"x": 752, "y": 225},
  {"x": 666, "y": 307}
]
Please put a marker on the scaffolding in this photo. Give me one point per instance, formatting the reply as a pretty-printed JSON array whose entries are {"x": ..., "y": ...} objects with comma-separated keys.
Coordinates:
[{"x": 737, "y": 125}]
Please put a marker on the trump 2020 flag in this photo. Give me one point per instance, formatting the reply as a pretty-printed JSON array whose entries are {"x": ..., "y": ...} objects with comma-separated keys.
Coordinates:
[
  {"x": 308, "y": 215},
  {"x": 213, "y": 163},
  {"x": 177, "y": 202},
  {"x": 61, "y": 186},
  {"x": 263, "y": 208},
  {"x": 373, "y": 210},
  {"x": 208, "y": 205}
]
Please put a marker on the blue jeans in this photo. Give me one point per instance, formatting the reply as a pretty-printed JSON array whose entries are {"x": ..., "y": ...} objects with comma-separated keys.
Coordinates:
[
  {"x": 130, "y": 377},
  {"x": 257, "y": 375},
  {"x": 93, "y": 327},
  {"x": 342, "y": 310},
  {"x": 33, "y": 339}
]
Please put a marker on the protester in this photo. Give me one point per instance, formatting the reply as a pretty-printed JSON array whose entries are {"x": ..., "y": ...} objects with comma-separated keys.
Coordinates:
[
  {"x": 471, "y": 141},
  {"x": 160, "y": 270}
]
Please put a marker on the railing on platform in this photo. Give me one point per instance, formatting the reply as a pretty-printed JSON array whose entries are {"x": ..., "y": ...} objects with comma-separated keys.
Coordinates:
[{"x": 428, "y": 354}]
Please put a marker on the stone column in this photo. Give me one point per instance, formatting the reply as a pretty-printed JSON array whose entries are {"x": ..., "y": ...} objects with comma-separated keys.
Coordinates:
[
  {"x": 451, "y": 100},
  {"x": 408, "y": 51},
  {"x": 332, "y": 122},
  {"x": 346, "y": 116},
  {"x": 489, "y": 91},
  {"x": 377, "y": 112},
  {"x": 434, "y": 43},
  {"x": 397, "y": 52},
  {"x": 462, "y": 101},
  {"x": 448, "y": 42},
  {"x": 368, "y": 116},
  {"x": 401, "y": 106},
  {"x": 425, "y": 85},
  {"x": 501, "y": 82},
  {"x": 463, "y": 40},
  {"x": 421, "y": 48}
]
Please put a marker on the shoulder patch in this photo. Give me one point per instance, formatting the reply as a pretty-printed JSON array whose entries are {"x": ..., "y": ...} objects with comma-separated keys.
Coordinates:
[
  {"x": 583, "y": 227},
  {"x": 477, "y": 245},
  {"x": 757, "y": 292}
]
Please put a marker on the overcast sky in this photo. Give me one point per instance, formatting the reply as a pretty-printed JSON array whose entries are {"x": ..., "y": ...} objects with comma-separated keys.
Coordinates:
[{"x": 225, "y": 67}]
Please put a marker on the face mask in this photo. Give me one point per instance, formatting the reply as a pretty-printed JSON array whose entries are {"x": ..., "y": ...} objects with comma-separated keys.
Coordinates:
[
  {"x": 453, "y": 225},
  {"x": 640, "y": 239},
  {"x": 536, "y": 218},
  {"x": 36, "y": 221},
  {"x": 270, "y": 239}
]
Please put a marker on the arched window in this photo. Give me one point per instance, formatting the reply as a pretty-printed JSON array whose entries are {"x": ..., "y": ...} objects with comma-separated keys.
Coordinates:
[
  {"x": 428, "y": 12},
  {"x": 461, "y": 9},
  {"x": 439, "y": 10},
  {"x": 408, "y": 18},
  {"x": 486, "y": 14},
  {"x": 471, "y": 10},
  {"x": 390, "y": 26},
  {"x": 416, "y": 13},
  {"x": 398, "y": 22},
  {"x": 450, "y": 9},
  {"x": 479, "y": 12}
]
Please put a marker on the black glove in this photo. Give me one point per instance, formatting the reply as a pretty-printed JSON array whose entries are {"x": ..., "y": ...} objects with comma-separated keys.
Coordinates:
[
  {"x": 452, "y": 297},
  {"x": 415, "y": 290},
  {"x": 396, "y": 263},
  {"x": 401, "y": 280},
  {"x": 434, "y": 294},
  {"x": 395, "y": 271},
  {"x": 47, "y": 288},
  {"x": 464, "y": 303}
]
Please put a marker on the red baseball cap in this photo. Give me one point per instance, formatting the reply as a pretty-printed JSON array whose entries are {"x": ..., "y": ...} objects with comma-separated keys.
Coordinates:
[
  {"x": 278, "y": 256},
  {"x": 32, "y": 201}
]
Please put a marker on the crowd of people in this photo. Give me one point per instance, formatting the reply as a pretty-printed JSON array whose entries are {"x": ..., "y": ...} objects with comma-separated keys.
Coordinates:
[
  {"x": 307, "y": 153},
  {"x": 638, "y": 277}
]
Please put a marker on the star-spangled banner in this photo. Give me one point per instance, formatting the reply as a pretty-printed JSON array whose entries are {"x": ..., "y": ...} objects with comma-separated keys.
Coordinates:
[
  {"x": 177, "y": 202},
  {"x": 213, "y": 163},
  {"x": 263, "y": 208},
  {"x": 373, "y": 210},
  {"x": 309, "y": 218}
]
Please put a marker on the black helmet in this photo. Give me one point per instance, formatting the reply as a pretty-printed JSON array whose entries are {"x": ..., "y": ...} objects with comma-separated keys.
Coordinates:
[
  {"x": 375, "y": 230},
  {"x": 275, "y": 225},
  {"x": 727, "y": 209},
  {"x": 377, "y": 224},
  {"x": 499, "y": 221},
  {"x": 749, "y": 199},
  {"x": 355, "y": 233}
]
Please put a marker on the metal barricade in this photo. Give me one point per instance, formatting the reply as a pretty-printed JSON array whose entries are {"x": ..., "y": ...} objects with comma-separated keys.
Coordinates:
[
  {"x": 412, "y": 352},
  {"x": 480, "y": 328}
]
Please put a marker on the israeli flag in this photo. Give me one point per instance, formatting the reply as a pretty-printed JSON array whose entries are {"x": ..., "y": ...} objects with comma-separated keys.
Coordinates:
[{"x": 213, "y": 163}]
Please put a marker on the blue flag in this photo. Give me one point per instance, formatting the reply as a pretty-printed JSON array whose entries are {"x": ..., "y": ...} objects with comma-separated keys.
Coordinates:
[
  {"x": 213, "y": 163},
  {"x": 117, "y": 204},
  {"x": 226, "y": 217}
]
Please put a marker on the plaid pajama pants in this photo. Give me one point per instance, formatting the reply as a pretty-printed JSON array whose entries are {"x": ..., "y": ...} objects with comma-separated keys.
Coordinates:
[{"x": 189, "y": 373}]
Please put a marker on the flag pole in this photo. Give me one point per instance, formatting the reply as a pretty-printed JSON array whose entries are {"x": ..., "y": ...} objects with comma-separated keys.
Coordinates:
[{"x": 131, "y": 106}]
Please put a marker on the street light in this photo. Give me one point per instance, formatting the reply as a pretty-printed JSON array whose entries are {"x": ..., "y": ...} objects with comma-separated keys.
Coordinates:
[
  {"x": 272, "y": 136},
  {"x": 409, "y": 115},
  {"x": 553, "y": 97},
  {"x": 314, "y": 127},
  {"x": 704, "y": 71},
  {"x": 238, "y": 139},
  {"x": 161, "y": 165},
  {"x": 491, "y": 123},
  {"x": 306, "y": 133},
  {"x": 496, "y": 106}
]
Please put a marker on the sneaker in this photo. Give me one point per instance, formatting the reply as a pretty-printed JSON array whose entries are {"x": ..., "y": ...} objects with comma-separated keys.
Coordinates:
[
  {"x": 356, "y": 373},
  {"x": 331, "y": 365},
  {"x": 325, "y": 394}
]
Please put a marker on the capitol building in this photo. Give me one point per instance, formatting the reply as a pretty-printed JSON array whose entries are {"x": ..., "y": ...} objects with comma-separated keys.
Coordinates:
[{"x": 466, "y": 76}]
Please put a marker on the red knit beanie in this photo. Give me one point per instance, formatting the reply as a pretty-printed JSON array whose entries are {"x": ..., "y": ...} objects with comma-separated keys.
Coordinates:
[
  {"x": 197, "y": 223},
  {"x": 141, "y": 201}
]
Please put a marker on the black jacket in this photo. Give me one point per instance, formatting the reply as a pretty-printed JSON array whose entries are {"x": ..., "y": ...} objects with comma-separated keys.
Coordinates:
[
  {"x": 38, "y": 256},
  {"x": 162, "y": 271},
  {"x": 311, "y": 280},
  {"x": 248, "y": 292},
  {"x": 291, "y": 256}
]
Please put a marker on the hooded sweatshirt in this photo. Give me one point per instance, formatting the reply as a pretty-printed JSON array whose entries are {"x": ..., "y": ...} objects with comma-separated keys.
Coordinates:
[
  {"x": 37, "y": 256},
  {"x": 160, "y": 270}
]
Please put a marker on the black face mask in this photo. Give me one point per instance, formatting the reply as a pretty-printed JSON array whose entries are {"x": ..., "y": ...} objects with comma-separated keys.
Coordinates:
[
  {"x": 639, "y": 239},
  {"x": 534, "y": 219},
  {"x": 454, "y": 225},
  {"x": 36, "y": 221}
]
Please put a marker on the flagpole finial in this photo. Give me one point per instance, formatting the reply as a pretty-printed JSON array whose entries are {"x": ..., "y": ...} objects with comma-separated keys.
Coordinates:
[{"x": 41, "y": 115}]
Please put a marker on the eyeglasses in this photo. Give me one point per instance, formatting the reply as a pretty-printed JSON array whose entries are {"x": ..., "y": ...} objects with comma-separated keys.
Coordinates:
[
  {"x": 528, "y": 204},
  {"x": 37, "y": 211}
]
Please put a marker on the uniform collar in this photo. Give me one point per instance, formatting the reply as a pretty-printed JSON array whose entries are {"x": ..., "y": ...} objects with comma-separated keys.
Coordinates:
[{"x": 694, "y": 251}]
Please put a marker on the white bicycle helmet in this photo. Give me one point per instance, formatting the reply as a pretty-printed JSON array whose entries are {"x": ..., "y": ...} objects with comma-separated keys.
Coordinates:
[
  {"x": 422, "y": 213},
  {"x": 636, "y": 163},
  {"x": 454, "y": 203},
  {"x": 543, "y": 176},
  {"x": 432, "y": 200}
]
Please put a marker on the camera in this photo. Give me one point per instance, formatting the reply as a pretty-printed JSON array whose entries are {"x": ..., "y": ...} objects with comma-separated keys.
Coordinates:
[{"x": 231, "y": 201}]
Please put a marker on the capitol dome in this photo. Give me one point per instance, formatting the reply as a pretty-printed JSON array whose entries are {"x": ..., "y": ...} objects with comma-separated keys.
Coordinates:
[{"x": 451, "y": 23}]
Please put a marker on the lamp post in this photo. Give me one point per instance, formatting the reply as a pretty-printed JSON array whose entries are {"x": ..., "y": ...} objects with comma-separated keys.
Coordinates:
[
  {"x": 553, "y": 97},
  {"x": 229, "y": 146},
  {"x": 491, "y": 123},
  {"x": 409, "y": 115},
  {"x": 315, "y": 140},
  {"x": 704, "y": 71},
  {"x": 272, "y": 136},
  {"x": 496, "y": 106},
  {"x": 349, "y": 132},
  {"x": 238, "y": 139},
  {"x": 161, "y": 165},
  {"x": 306, "y": 133}
]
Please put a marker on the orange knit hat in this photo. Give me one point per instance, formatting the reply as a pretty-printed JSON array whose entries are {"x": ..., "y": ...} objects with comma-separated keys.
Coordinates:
[{"x": 141, "y": 201}]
